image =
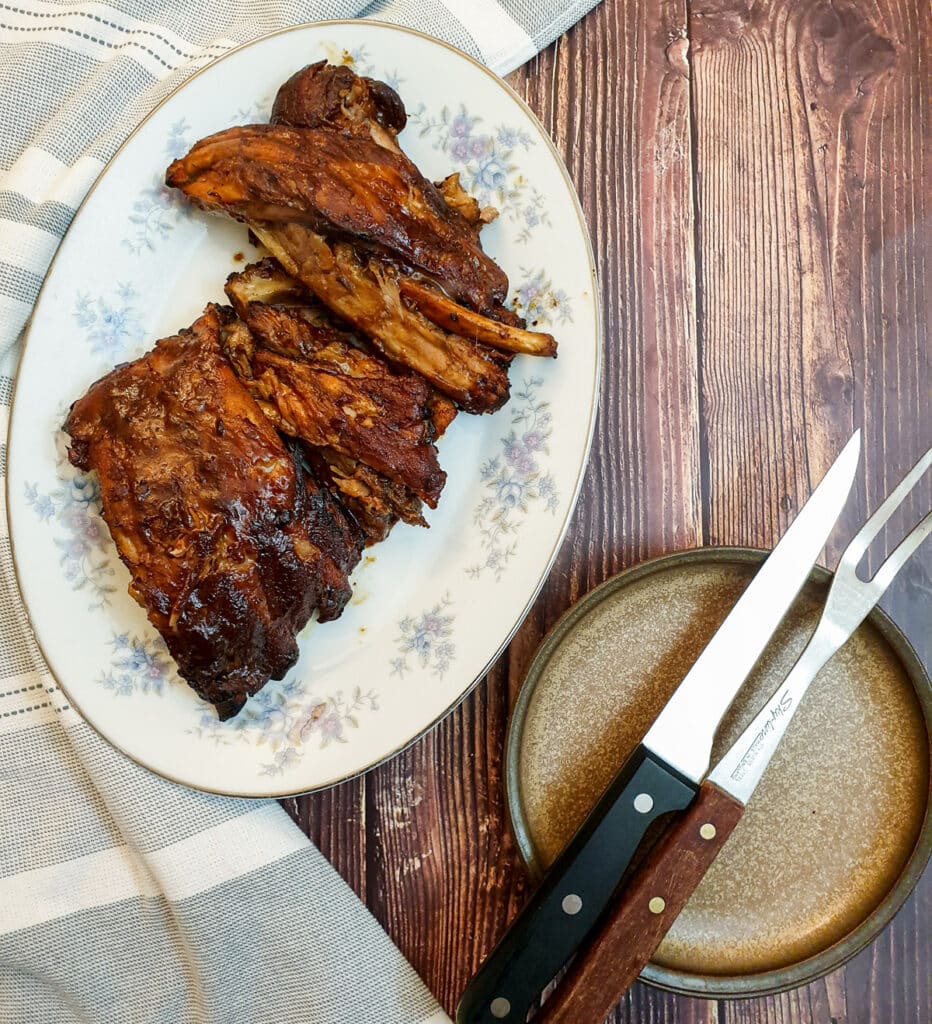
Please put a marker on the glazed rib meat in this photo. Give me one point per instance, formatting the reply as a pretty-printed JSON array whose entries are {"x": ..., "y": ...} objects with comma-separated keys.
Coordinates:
[
  {"x": 342, "y": 185},
  {"x": 334, "y": 95},
  {"x": 327, "y": 189},
  {"x": 231, "y": 545},
  {"x": 365, "y": 292},
  {"x": 345, "y": 400},
  {"x": 376, "y": 502},
  {"x": 281, "y": 312},
  {"x": 285, "y": 317},
  {"x": 329, "y": 392}
]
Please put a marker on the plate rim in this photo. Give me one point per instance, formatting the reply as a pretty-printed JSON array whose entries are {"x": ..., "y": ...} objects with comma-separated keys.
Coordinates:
[
  {"x": 833, "y": 956},
  {"x": 580, "y": 475}
]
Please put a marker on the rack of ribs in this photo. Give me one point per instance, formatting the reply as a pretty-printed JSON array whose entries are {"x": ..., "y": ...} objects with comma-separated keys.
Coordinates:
[
  {"x": 230, "y": 542},
  {"x": 329, "y": 192}
]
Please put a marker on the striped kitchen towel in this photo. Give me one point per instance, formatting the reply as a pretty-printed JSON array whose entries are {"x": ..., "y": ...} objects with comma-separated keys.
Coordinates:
[{"x": 125, "y": 898}]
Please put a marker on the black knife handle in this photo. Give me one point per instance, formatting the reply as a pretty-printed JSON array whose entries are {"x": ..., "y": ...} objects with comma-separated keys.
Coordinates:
[{"x": 574, "y": 892}]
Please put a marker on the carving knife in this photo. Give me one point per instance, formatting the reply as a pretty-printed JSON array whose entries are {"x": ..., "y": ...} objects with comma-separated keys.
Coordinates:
[
  {"x": 626, "y": 937},
  {"x": 661, "y": 775}
]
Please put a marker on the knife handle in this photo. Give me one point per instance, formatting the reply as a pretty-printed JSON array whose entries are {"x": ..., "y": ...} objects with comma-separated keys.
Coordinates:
[
  {"x": 574, "y": 892},
  {"x": 627, "y": 936}
]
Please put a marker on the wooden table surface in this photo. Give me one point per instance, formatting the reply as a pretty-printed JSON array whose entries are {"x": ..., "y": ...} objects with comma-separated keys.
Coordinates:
[{"x": 751, "y": 173}]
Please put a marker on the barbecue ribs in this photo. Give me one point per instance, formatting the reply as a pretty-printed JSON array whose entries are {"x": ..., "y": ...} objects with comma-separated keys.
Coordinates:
[
  {"x": 328, "y": 191},
  {"x": 334, "y": 95},
  {"x": 329, "y": 392},
  {"x": 231, "y": 544},
  {"x": 366, "y": 294},
  {"x": 285, "y": 319},
  {"x": 344, "y": 186}
]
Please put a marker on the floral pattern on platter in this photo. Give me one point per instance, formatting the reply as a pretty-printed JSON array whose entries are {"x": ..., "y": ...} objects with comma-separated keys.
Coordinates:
[
  {"x": 254, "y": 113},
  {"x": 426, "y": 638},
  {"x": 158, "y": 208},
  {"x": 86, "y": 550},
  {"x": 487, "y": 162},
  {"x": 360, "y": 61},
  {"x": 139, "y": 665},
  {"x": 514, "y": 480},
  {"x": 110, "y": 324},
  {"x": 538, "y": 302},
  {"x": 284, "y": 718}
]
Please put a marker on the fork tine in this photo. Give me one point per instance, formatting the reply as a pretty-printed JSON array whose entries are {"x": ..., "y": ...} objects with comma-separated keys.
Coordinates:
[
  {"x": 872, "y": 527},
  {"x": 884, "y": 575}
]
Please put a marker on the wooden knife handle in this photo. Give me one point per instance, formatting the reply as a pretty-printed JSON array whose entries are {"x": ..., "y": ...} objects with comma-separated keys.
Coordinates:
[{"x": 631, "y": 929}]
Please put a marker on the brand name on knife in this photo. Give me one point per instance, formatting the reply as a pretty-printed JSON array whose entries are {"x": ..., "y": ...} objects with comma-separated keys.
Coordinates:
[{"x": 776, "y": 713}]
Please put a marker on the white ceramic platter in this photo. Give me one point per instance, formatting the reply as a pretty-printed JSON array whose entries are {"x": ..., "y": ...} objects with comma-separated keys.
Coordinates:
[{"x": 432, "y": 608}]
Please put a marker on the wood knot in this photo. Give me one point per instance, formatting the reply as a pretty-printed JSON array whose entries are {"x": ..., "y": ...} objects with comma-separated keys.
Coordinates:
[
  {"x": 834, "y": 384},
  {"x": 677, "y": 54},
  {"x": 850, "y": 52}
]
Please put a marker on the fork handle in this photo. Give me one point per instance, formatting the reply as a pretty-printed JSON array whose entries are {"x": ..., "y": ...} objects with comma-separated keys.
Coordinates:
[{"x": 633, "y": 927}]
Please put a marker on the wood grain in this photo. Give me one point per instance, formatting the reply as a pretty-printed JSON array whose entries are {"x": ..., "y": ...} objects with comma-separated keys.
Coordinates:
[
  {"x": 752, "y": 175},
  {"x": 810, "y": 214}
]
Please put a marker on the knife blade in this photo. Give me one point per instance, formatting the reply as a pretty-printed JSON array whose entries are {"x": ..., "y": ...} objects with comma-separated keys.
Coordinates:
[
  {"x": 661, "y": 775},
  {"x": 628, "y": 934}
]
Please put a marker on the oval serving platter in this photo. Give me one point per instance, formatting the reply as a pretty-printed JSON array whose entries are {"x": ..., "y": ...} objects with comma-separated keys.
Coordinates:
[
  {"x": 432, "y": 609},
  {"x": 838, "y": 832}
]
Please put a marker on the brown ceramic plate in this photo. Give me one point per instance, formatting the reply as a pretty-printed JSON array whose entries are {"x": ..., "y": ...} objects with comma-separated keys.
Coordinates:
[{"x": 839, "y": 830}]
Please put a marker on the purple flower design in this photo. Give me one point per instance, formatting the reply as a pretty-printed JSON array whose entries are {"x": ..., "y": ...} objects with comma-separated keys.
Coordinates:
[
  {"x": 86, "y": 551},
  {"x": 110, "y": 326},
  {"x": 138, "y": 665},
  {"x": 487, "y": 162},
  {"x": 331, "y": 728},
  {"x": 518, "y": 455},
  {"x": 461, "y": 126},
  {"x": 285, "y": 718},
  {"x": 427, "y": 638},
  {"x": 86, "y": 529},
  {"x": 539, "y": 302},
  {"x": 460, "y": 149},
  {"x": 514, "y": 481}
]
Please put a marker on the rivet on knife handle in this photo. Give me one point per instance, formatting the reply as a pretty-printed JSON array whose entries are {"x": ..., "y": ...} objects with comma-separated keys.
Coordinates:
[
  {"x": 634, "y": 928},
  {"x": 565, "y": 907}
]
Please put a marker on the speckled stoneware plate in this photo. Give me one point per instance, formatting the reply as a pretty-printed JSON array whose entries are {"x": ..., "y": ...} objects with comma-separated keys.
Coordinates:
[
  {"x": 432, "y": 608},
  {"x": 837, "y": 833}
]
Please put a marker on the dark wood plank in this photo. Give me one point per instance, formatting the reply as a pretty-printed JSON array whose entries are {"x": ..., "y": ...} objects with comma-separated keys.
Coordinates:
[
  {"x": 813, "y": 320},
  {"x": 445, "y": 877},
  {"x": 614, "y": 96}
]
